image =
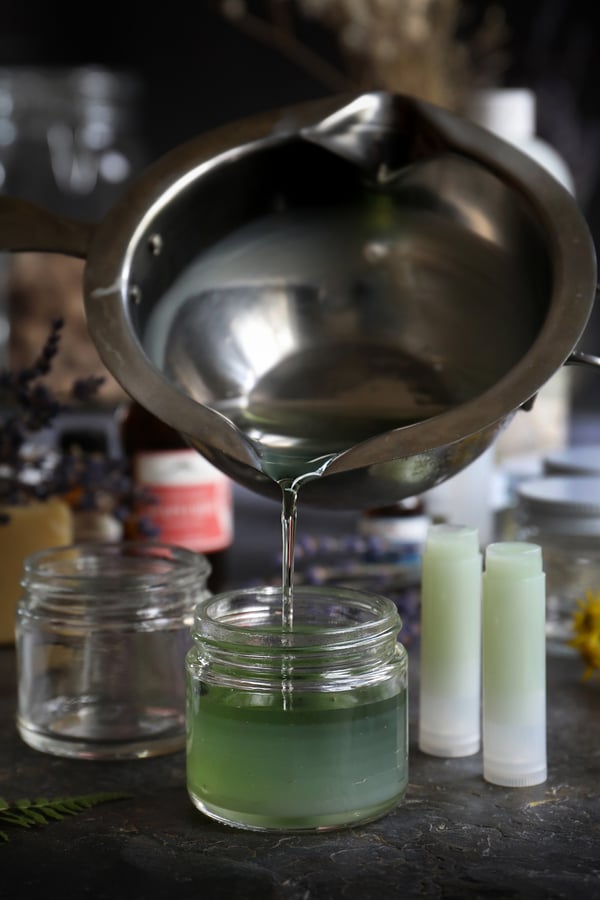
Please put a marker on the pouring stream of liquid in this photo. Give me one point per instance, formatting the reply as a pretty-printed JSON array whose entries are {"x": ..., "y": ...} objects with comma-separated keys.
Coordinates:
[{"x": 289, "y": 516}]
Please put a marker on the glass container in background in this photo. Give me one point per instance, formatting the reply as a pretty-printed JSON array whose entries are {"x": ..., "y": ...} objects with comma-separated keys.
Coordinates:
[
  {"x": 102, "y": 633},
  {"x": 300, "y": 729},
  {"x": 562, "y": 515},
  {"x": 583, "y": 459},
  {"x": 69, "y": 141}
]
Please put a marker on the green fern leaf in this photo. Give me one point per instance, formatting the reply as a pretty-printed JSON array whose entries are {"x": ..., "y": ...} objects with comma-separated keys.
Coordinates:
[
  {"x": 68, "y": 807},
  {"x": 9, "y": 817},
  {"x": 52, "y": 813},
  {"x": 35, "y": 817},
  {"x": 26, "y": 813}
]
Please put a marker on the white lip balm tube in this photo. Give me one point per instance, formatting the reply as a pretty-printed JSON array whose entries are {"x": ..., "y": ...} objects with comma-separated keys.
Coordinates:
[
  {"x": 514, "y": 665},
  {"x": 450, "y": 670}
]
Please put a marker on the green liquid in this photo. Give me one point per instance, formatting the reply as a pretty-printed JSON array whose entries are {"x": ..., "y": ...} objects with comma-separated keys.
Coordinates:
[{"x": 330, "y": 759}]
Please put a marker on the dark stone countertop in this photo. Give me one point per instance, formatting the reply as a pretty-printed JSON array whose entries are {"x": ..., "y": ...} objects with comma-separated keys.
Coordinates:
[{"x": 454, "y": 835}]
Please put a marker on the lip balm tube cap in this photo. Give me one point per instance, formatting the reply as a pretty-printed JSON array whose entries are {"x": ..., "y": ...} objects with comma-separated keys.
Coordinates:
[
  {"x": 452, "y": 541},
  {"x": 513, "y": 559}
]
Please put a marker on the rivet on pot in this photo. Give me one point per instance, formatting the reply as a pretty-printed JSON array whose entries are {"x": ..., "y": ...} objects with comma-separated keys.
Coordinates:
[
  {"x": 155, "y": 243},
  {"x": 135, "y": 294}
]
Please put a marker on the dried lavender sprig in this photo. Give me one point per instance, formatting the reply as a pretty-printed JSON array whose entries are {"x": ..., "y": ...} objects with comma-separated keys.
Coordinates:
[
  {"x": 87, "y": 481},
  {"x": 29, "y": 408}
]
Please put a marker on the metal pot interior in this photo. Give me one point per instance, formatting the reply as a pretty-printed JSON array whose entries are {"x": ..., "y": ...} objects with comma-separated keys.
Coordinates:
[
  {"x": 343, "y": 308},
  {"x": 366, "y": 288}
]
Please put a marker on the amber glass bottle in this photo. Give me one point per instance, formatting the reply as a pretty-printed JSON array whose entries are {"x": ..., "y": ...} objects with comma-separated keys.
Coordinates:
[{"x": 191, "y": 501}]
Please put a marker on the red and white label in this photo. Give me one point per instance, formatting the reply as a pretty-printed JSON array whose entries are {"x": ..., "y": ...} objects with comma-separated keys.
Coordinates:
[{"x": 194, "y": 501}]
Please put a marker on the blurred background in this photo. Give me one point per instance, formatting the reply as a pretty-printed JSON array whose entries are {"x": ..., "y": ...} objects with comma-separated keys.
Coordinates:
[
  {"x": 201, "y": 64},
  {"x": 176, "y": 70}
]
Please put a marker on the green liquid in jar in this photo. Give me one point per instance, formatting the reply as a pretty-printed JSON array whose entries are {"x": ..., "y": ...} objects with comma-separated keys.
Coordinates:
[
  {"x": 296, "y": 755},
  {"x": 326, "y": 760}
]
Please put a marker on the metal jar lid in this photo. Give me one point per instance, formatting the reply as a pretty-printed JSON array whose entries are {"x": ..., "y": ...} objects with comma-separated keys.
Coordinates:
[
  {"x": 583, "y": 460},
  {"x": 568, "y": 505}
]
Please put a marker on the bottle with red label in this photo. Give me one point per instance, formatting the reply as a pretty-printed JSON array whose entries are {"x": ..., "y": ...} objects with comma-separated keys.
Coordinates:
[{"x": 190, "y": 502}]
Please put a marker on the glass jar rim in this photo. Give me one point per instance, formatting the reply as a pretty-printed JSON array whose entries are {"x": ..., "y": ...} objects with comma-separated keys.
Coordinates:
[
  {"x": 249, "y": 616},
  {"x": 63, "y": 568}
]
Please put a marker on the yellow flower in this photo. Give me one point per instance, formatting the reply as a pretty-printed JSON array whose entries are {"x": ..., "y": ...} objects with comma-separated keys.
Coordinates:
[{"x": 586, "y": 625}]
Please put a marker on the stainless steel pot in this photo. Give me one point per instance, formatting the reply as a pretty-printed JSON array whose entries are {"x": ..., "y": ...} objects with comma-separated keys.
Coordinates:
[{"x": 365, "y": 287}]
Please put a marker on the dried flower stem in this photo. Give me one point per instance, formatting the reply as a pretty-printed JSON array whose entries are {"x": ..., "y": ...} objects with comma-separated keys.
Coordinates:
[
  {"x": 278, "y": 36},
  {"x": 84, "y": 480},
  {"x": 406, "y": 46}
]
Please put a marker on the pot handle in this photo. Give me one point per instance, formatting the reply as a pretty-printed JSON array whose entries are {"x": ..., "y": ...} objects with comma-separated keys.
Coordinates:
[
  {"x": 577, "y": 358},
  {"x": 26, "y": 226}
]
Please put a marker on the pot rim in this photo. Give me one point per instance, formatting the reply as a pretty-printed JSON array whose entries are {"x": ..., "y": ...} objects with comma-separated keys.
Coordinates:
[{"x": 109, "y": 294}]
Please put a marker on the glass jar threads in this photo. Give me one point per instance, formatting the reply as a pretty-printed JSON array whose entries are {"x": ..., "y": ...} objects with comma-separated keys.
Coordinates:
[
  {"x": 296, "y": 729},
  {"x": 562, "y": 515},
  {"x": 102, "y": 632}
]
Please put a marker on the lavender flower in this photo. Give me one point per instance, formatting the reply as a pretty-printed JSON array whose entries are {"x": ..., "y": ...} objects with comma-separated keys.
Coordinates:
[{"x": 28, "y": 407}]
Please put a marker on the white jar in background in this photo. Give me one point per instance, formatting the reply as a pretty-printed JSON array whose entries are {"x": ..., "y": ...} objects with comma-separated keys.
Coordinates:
[
  {"x": 511, "y": 114},
  {"x": 470, "y": 498}
]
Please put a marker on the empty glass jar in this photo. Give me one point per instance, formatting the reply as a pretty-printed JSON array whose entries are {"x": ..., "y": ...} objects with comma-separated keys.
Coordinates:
[
  {"x": 302, "y": 728},
  {"x": 562, "y": 515},
  {"x": 102, "y": 633}
]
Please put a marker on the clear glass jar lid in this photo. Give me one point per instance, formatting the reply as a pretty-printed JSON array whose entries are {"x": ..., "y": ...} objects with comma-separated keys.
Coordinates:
[
  {"x": 568, "y": 505},
  {"x": 583, "y": 460}
]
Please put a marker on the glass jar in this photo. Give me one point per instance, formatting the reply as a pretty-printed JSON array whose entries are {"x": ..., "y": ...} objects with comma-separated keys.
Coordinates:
[
  {"x": 562, "y": 515},
  {"x": 300, "y": 729},
  {"x": 102, "y": 632},
  {"x": 70, "y": 141}
]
